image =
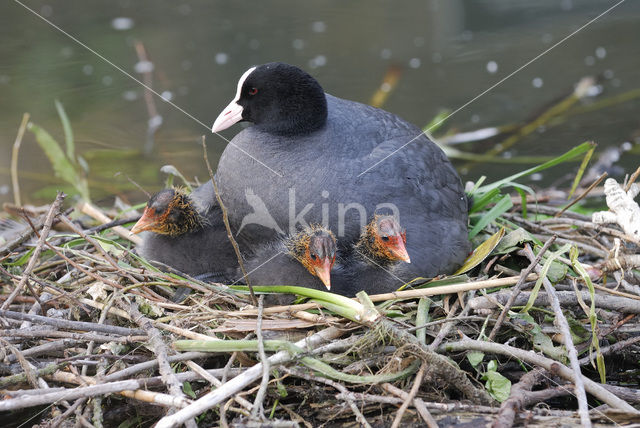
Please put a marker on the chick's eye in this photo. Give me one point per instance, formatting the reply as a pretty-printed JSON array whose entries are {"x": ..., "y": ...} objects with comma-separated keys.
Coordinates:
[
  {"x": 385, "y": 238},
  {"x": 253, "y": 91},
  {"x": 313, "y": 257}
]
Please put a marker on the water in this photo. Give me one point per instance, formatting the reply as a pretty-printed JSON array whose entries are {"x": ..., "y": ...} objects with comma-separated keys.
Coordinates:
[{"x": 447, "y": 52}]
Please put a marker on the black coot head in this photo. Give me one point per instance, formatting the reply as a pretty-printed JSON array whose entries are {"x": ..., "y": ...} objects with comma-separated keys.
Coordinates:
[{"x": 279, "y": 98}]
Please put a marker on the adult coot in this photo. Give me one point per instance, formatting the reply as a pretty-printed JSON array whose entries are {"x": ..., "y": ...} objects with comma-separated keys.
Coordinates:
[
  {"x": 314, "y": 158},
  {"x": 186, "y": 233}
]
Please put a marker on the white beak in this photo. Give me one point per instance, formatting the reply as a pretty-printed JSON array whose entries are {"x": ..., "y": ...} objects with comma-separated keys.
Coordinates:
[
  {"x": 233, "y": 112},
  {"x": 230, "y": 115}
]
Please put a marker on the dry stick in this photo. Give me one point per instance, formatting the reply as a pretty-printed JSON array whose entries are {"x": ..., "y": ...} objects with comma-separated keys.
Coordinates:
[
  {"x": 518, "y": 288},
  {"x": 619, "y": 346},
  {"x": 582, "y": 195},
  {"x": 633, "y": 178},
  {"x": 417, "y": 403},
  {"x": 344, "y": 391},
  {"x": 561, "y": 321},
  {"x": 155, "y": 120},
  {"x": 98, "y": 247},
  {"x": 73, "y": 325},
  {"x": 14, "y": 159},
  {"x": 225, "y": 219},
  {"x": 239, "y": 382},
  {"x": 127, "y": 387},
  {"x": 444, "y": 331},
  {"x": 258, "y": 407},
  {"x": 412, "y": 393},
  {"x": 53, "y": 211},
  {"x": 548, "y": 364},
  {"x": 96, "y": 214},
  {"x": 160, "y": 351},
  {"x": 510, "y": 407},
  {"x": 213, "y": 380}
]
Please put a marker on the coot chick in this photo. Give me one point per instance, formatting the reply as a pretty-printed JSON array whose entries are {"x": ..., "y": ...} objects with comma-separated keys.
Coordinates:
[
  {"x": 378, "y": 262},
  {"x": 317, "y": 156},
  {"x": 304, "y": 259},
  {"x": 186, "y": 232}
]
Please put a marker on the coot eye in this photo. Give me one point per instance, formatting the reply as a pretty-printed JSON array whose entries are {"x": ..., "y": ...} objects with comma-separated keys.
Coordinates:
[
  {"x": 253, "y": 91},
  {"x": 385, "y": 238},
  {"x": 313, "y": 257}
]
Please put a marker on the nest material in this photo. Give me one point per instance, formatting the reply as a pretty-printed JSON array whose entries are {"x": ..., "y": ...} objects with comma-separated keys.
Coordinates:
[{"x": 89, "y": 333}]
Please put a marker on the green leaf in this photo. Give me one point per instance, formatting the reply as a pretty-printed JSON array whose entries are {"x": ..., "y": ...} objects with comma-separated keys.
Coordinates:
[
  {"x": 543, "y": 274},
  {"x": 497, "y": 385},
  {"x": 512, "y": 241},
  {"x": 62, "y": 166},
  {"x": 481, "y": 252},
  {"x": 186, "y": 387},
  {"x": 475, "y": 358},
  {"x": 500, "y": 208},
  {"x": 68, "y": 132}
]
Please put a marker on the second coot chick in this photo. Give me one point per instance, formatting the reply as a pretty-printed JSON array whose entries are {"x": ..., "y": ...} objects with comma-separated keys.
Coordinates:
[
  {"x": 304, "y": 260},
  {"x": 378, "y": 262},
  {"x": 186, "y": 232}
]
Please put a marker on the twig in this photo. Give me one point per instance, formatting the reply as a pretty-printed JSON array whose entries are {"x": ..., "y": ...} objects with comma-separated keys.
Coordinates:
[
  {"x": 73, "y": 325},
  {"x": 96, "y": 214},
  {"x": 566, "y": 298},
  {"x": 160, "y": 351},
  {"x": 155, "y": 120},
  {"x": 97, "y": 246},
  {"x": 511, "y": 406},
  {"x": 53, "y": 211},
  {"x": 632, "y": 179},
  {"x": 239, "y": 382},
  {"x": 548, "y": 364},
  {"x": 14, "y": 160},
  {"x": 420, "y": 405},
  {"x": 582, "y": 195},
  {"x": 518, "y": 288},
  {"x": 225, "y": 219},
  {"x": 344, "y": 392},
  {"x": 258, "y": 407},
  {"x": 412, "y": 393},
  {"x": 444, "y": 331}
]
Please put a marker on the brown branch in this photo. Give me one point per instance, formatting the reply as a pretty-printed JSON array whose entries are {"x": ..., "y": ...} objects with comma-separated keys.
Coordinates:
[
  {"x": 582, "y": 195},
  {"x": 510, "y": 407},
  {"x": 420, "y": 405}
]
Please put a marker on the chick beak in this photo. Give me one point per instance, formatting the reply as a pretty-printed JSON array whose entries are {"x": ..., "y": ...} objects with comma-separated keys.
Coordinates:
[
  {"x": 146, "y": 222},
  {"x": 323, "y": 271},
  {"x": 398, "y": 249}
]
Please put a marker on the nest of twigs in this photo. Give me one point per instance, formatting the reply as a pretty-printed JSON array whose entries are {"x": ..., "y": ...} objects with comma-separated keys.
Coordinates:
[{"x": 543, "y": 329}]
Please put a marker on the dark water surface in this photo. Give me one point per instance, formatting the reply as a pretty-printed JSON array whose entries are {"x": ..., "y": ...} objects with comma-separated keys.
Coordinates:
[{"x": 446, "y": 52}]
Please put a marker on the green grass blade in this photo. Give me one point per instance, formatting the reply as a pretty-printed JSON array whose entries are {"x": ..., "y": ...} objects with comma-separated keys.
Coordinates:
[
  {"x": 583, "y": 167},
  {"x": 500, "y": 208},
  {"x": 68, "y": 132},
  {"x": 61, "y": 165},
  {"x": 576, "y": 151}
]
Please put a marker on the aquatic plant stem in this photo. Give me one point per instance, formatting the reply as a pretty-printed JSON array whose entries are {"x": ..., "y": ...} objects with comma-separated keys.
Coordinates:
[{"x": 14, "y": 160}]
